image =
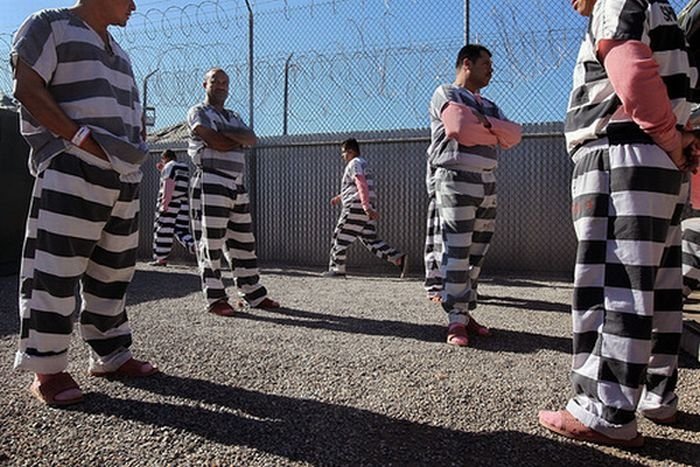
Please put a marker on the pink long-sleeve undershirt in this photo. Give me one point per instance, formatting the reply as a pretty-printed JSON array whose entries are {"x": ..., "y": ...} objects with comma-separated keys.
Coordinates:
[
  {"x": 634, "y": 76},
  {"x": 363, "y": 191},
  {"x": 463, "y": 125}
]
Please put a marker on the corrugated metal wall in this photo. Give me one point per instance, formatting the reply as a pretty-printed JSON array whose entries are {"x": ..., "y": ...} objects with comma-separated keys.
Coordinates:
[{"x": 296, "y": 177}]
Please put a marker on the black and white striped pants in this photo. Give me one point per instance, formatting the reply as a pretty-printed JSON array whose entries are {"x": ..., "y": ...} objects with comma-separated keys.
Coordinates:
[
  {"x": 172, "y": 222},
  {"x": 223, "y": 229},
  {"x": 82, "y": 229},
  {"x": 432, "y": 252},
  {"x": 466, "y": 211},
  {"x": 352, "y": 224},
  {"x": 627, "y": 304}
]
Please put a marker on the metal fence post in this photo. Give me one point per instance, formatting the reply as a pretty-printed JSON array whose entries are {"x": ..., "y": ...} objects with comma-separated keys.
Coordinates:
[
  {"x": 466, "y": 21},
  {"x": 253, "y": 169}
]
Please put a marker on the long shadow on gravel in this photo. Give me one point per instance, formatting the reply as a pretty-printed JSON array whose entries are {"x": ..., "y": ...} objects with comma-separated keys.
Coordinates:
[
  {"x": 524, "y": 303},
  {"x": 502, "y": 340},
  {"x": 148, "y": 286},
  {"x": 321, "y": 433},
  {"x": 372, "y": 327}
]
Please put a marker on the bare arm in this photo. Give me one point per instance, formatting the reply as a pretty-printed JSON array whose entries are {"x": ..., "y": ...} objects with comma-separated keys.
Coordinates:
[
  {"x": 242, "y": 136},
  {"x": 30, "y": 90}
]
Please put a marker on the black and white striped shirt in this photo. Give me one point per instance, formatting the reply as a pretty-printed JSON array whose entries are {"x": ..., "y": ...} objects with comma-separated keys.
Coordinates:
[
  {"x": 180, "y": 173},
  {"x": 348, "y": 189},
  {"x": 448, "y": 153},
  {"x": 231, "y": 162},
  {"x": 92, "y": 82},
  {"x": 593, "y": 104}
]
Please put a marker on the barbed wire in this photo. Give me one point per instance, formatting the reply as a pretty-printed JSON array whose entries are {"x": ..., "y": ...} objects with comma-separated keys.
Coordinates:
[{"x": 350, "y": 63}]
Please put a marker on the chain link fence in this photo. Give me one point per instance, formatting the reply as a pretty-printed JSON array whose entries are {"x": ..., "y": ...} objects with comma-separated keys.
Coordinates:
[{"x": 345, "y": 65}]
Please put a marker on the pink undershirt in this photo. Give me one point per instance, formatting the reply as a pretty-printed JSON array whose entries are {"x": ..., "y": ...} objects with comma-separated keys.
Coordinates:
[{"x": 634, "y": 76}]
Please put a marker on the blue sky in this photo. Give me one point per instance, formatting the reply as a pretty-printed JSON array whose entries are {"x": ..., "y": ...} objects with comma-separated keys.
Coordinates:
[{"x": 356, "y": 64}]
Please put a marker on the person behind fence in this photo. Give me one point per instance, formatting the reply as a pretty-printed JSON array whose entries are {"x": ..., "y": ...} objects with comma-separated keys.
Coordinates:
[
  {"x": 358, "y": 217},
  {"x": 172, "y": 208},
  {"x": 466, "y": 132},
  {"x": 624, "y": 132},
  {"x": 220, "y": 210},
  {"x": 83, "y": 125}
]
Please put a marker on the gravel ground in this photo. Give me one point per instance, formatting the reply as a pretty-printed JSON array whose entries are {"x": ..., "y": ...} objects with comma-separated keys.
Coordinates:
[{"x": 348, "y": 372}]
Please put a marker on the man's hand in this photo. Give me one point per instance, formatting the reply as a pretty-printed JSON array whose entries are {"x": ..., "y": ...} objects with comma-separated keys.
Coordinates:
[
  {"x": 91, "y": 146},
  {"x": 335, "y": 200},
  {"x": 686, "y": 155},
  {"x": 372, "y": 214}
]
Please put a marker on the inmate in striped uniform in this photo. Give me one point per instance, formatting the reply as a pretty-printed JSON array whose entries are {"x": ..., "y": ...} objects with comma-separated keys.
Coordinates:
[
  {"x": 433, "y": 242},
  {"x": 628, "y": 197},
  {"x": 173, "y": 219},
  {"x": 83, "y": 221},
  {"x": 464, "y": 206},
  {"x": 220, "y": 210},
  {"x": 354, "y": 222}
]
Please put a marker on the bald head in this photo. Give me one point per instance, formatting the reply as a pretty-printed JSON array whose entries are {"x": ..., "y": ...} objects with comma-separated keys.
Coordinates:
[{"x": 216, "y": 87}]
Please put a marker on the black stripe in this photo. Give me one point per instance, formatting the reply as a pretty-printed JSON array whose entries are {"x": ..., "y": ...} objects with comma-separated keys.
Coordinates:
[
  {"x": 61, "y": 245},
  {"x": 110, "y": 290},
  {"x": 594, "y": 71},
  {"x": 72, "y": 165},
  {"x": 668, "y": 343},
  {"x": 641, "y": 228},
  {"x": 677, "y": 86},
  {"x": 104, "y": 347},
  {"x": 667, "y": 38},
  {"x": 217, "y": 189},
  {"x": 597, "y": 160},
  {"x": 61, "y": 287},
  {"x": 247, "y": 281},
  {"x": 627, "y": 133},
  {"x": 668, "y": 300},
  {"x": 74, "y": 206},
  {"x": 650, "y": 179},
  {"x": 585, "y": 116},
  {"x": 81, "y": 90},
  {"x": 624, "y": 373},
  {"x": 32, "y": 352},
  {"x": 584, "y": 342},
  {"x": 630, "y": 277},
  {"x": 591, "y": 252},
  {"x": 246, "y": 227},
  {"x": 660, "y": 384},
  {"x": 121, "y": 260},
  {"x": 48, "y": 322},
  {"x": 631, "y": 20},
  {"x": 129, "y": 191},
  {"x": 102, "y": 322},
  {"x": 82, "y": 51},
  {"x": 245, "y": 263},
  {"x": 593, "y": 205},
  {"x": 122, "y": 227},
  {"x": 588, "y": 298},
  {"x": 627, "y": 325}
]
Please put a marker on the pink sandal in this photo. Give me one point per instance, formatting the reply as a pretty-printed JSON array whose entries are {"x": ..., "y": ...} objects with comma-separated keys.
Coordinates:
[{"x": 565, "y": 424}]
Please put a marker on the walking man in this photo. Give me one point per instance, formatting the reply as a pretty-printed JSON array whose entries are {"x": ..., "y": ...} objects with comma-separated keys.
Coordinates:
[
  {"x": 221, "y": 220},
  {"x": 358, "y": 218},
  {"x": 173, "y": 208},
  {"x": 466, "y": 131},
  {"x": 627, "y": 108},
  {"x": 83, "y": 124}
]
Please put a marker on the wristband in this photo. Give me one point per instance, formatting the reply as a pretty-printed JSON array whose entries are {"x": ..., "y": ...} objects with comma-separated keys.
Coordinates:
[{"x": 80, "y": 136}]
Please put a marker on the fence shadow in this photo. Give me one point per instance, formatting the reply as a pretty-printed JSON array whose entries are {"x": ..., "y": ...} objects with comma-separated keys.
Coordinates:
[{"x": 319, "y": 433}]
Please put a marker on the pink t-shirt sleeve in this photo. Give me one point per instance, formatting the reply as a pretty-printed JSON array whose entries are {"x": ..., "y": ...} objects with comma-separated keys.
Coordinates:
[
  {"x": 634, "y": 75},
  {"x": 462, "y": 125}
]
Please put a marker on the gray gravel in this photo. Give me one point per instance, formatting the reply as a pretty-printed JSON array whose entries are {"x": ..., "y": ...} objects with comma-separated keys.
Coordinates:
[{"x": 349, "y": 372}]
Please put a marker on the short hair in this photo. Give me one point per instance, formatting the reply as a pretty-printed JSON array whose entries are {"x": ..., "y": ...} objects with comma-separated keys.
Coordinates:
[
  {"x": 213, "y": 70},
  {"x": 169, "y": 154},
  {"x": 350, "y": 144},
  {"x": 472, "y": 52}
]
